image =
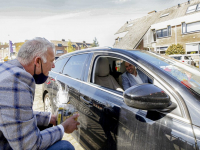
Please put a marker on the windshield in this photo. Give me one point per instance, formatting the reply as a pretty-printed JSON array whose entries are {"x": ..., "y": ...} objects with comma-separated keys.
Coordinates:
[{"x": 187, "y": 75}]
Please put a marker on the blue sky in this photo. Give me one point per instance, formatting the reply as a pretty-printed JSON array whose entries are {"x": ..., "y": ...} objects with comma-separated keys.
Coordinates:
[{"x": 77, "y": 20}]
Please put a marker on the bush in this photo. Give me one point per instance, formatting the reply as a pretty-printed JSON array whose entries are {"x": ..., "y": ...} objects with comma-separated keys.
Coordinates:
[{"x": 175, "y": 49}]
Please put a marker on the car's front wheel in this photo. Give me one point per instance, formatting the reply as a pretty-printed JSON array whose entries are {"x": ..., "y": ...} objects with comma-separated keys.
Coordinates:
[{"x": 47, "y": 104}]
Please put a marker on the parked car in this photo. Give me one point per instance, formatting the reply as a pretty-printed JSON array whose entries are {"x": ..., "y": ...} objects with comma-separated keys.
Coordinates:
[
  {"x": 162, "y": 115},
  {"x": 183, "y": 58}
]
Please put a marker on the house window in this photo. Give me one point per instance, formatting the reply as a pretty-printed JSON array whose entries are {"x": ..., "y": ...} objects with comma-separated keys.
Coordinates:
[
  {"x": 129, "y": 25},
  {"x": 154, "y": 35},
  {"x": 161, "y": 50},
  {"x": 164, "y": 15},
  {"x": 193, "y": 8},
  {"x": 198, "y": 8},
  {"x": 59, "y": 52},
  {"x": 193, "y": 47},
  {"x": 169, "y": 30},
  {"x": 164, "y": 32},
  {"x": 190, "y": 27},
  {"x": 59, "y": 45}
]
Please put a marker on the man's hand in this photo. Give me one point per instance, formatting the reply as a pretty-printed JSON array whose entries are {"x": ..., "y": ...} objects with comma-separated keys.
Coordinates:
[
  {"x": 70, "y": 124},
  {"x": 53, "y": 120}
]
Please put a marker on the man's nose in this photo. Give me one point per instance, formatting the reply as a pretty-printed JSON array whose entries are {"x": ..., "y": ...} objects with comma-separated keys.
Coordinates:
[{"x": 53, "y": 66}]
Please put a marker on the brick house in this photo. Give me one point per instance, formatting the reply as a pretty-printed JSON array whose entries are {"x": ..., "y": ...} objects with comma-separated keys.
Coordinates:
[
  {"x": 61, "y": 46},
  {"x": 4, "y": 51},
  {"x": 158, "y": 30}
]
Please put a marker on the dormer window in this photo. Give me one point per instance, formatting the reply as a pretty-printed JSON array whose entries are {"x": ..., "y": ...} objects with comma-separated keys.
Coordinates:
[
  {"x": 129, "y": 25},
  {"x": 164, "y": 15},
  {"x": 193, "y": 8},
  {"x": 198, "y": 8}
]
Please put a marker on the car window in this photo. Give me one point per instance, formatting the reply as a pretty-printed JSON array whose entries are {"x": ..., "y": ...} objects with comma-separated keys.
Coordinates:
[
  {"x": 75, "y": 65},
  {"x": 187, "y": 75},
  {"x": 187, "y": 58},
  {"x": 106, "y": 73},
  {"x": 147, "y": 77},
  {"x": 59, "y": 64},
  {"x": 178, "y": 57}
]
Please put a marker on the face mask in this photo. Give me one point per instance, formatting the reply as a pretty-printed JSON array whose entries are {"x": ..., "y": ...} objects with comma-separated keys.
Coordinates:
[{"x": 39, "y": 78}]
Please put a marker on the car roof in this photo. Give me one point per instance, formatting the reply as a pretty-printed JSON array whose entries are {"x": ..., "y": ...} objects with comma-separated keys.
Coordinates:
[{"x": 96, "y": 49}]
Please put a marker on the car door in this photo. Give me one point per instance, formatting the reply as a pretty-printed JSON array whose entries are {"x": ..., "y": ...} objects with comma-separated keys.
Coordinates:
[
  {"x": 50, "y": 86},
  {"x": 114, "y": 125},
  {"x": 68, "y": 84}
]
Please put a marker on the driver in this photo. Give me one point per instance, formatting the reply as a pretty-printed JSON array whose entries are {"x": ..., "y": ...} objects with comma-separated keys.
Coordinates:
[{"x": 133, "y": 76}]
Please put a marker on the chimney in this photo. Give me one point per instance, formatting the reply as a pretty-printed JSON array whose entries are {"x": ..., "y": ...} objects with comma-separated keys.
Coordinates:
[
  {"x": 63, "y": 39},
  {"x": 179, "y": 5},
  {"x": 151, "y": 12},
  {"x": 188, "y": 1}
]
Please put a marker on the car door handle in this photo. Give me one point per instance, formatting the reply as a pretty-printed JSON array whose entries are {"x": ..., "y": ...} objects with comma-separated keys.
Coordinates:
[{"x": 85, "y": 101}]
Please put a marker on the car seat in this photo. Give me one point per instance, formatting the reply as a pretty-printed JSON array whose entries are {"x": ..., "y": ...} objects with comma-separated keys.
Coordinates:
[{"x": 103, "y": 77}]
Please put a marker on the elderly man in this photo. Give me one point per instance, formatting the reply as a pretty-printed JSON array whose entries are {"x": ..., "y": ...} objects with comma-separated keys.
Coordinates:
[
  {"x": 132, "y": 76},
  {"x": 18, "y": 122}
]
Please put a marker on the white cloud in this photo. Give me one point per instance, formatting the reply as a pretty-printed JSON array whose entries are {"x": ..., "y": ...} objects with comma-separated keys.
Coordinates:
[{"x": 76, "y": 20}]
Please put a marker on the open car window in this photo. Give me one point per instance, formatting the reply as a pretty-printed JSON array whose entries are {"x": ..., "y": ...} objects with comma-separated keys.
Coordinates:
[{"x": 106, "y": 74}]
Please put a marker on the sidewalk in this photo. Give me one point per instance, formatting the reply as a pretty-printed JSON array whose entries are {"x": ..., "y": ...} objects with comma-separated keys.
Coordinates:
[{"x": 38, "y": 106}]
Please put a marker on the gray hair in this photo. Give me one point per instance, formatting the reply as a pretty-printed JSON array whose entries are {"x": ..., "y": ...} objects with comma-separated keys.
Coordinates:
[{"x": 36, "y": 47}]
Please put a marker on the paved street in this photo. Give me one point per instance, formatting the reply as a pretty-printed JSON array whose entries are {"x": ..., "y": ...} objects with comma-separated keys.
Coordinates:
[{"x": 38, "y": 106}]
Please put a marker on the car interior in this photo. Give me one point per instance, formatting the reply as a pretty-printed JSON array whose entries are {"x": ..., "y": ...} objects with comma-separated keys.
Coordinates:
[
  {"x": 103, "y": 75},
  {"x": 108, "y": 72}
]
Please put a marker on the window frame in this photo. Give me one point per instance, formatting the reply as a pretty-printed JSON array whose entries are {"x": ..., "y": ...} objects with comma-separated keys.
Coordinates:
[
  {"x": 83, "y": 67},
  {"x": 59, "y": 50},
  {"x": 160, "y": 49},
  {"x": 60, "y": 59},
  {"x": 184, "y": 27},
  {"x": 143, "y": 68},
  {"x": 59, "y": 45},
  {"x": 164, "y": 15},
  {"x": 91, "y": 76},
  {"x": 162, "y": 32},
  {"x": 197, "y": 8}
]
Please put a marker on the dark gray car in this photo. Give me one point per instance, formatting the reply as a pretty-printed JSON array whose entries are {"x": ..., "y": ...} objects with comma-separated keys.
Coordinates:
[{"x": 162, "y": 114}]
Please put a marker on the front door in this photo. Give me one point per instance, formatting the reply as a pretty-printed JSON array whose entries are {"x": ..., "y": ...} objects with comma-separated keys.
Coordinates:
[{"x": 111, "y": 124}]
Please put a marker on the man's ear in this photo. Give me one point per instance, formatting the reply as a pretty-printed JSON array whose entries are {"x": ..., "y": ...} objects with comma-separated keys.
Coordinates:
[{"x": 37, "y": 61}]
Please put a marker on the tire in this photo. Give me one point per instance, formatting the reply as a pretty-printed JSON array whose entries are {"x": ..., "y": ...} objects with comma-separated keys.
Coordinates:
[{"x": 47, "y": 103}]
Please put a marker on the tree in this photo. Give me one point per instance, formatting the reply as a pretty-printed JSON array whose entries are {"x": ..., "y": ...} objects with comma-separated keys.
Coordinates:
[
  {"x": 70, "y": 47},
  {"x": 95, "y": 43},
  {"x": 175, "y": 49},
  {"x": 82, "y": 46},
  {"x": 18, "y": 46}
]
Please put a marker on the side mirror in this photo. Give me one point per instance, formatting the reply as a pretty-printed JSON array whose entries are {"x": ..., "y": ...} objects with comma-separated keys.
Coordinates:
[{"x": 148, "y": 97}]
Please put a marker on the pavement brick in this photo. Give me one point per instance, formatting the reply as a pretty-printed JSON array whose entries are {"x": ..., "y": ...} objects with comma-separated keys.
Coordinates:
[{"x": 39, "y": 106}]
